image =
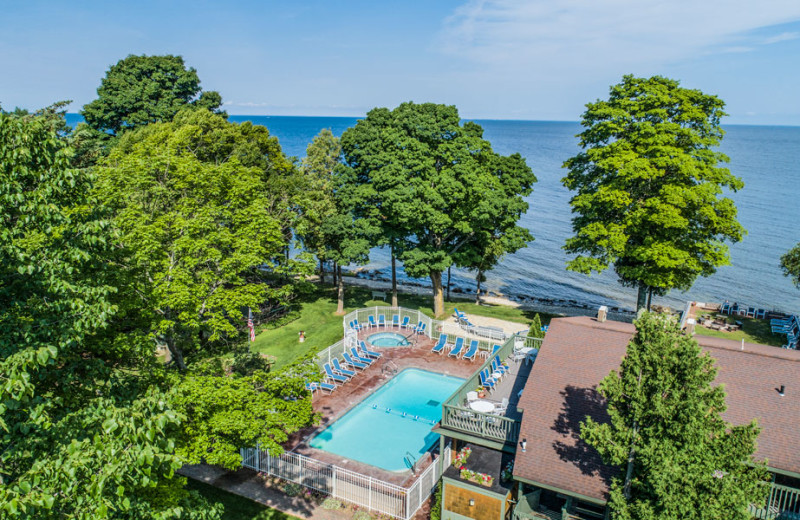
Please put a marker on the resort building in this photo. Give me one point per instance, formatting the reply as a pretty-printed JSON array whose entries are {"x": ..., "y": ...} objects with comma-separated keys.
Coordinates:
[{"x": 494, "y": 416}]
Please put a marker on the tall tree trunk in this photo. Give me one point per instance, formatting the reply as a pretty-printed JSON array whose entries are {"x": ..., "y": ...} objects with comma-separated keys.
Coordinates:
[
  {"x": 438, "y": 294},
  {"x": 478, "y": 291},
  {"x": 641, "y": 300},
  {"x": 175, "y": 351},
  {"x": 321, "y": 272},
  {"x": 340, "y": 304},
  {"x": 394, "y": 278},
  {"x": 335, "y": 272},
  {"x": 448, "y": 282},
  {"x": 649, "y": 298}
]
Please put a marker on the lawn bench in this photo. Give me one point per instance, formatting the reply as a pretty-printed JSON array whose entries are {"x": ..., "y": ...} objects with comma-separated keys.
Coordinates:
[{"x": 378, "y": 294}]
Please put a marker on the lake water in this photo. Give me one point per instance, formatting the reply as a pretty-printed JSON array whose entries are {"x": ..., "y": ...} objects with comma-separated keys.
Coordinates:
[{"x": 766, "y": 158}]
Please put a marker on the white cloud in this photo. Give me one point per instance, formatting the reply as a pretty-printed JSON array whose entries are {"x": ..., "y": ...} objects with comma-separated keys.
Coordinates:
[
  {"x": 546, "y": 37},
  {"x": 782, "y": 37}
]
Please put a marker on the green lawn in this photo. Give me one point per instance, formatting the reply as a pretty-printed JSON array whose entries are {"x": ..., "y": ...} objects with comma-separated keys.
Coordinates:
[
  {"x": 237, "y": 507},
  {"x": 753, "y": 331},
  {"x": 322, "y": 327}
]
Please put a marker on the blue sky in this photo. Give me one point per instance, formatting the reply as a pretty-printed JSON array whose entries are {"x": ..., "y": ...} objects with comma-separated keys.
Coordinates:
[{"x": 535, "y": 59}]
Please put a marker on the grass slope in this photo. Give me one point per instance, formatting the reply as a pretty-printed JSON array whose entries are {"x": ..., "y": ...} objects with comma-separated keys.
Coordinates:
[
  {"x": 237, "y": 507},
  {"x": 753, "y": 331},
  {"x": 322, "y": 327}
]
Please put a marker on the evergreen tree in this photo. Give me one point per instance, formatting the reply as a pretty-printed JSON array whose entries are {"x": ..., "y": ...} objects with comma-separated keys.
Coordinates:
[{"x": 677, "y": 457}]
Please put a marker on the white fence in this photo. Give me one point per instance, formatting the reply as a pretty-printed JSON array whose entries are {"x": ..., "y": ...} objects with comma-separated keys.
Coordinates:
[
  {"x": 486, "y": 337},
  {"x": 343, "y": 484}
]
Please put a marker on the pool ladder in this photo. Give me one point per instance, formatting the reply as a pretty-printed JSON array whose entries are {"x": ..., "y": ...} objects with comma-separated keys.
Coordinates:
[
  {"x": 389, "y": 368},
  {"x": 411, "y": 462}
]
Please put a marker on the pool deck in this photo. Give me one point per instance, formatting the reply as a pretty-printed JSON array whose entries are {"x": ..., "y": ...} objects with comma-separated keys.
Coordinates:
[{"x": 394, "y": 359}]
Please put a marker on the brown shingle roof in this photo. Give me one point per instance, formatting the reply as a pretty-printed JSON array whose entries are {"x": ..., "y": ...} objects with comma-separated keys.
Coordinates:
[{"x": 578, "y": 353}]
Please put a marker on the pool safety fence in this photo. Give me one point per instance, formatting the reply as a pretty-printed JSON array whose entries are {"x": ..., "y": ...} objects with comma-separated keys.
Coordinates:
[
  {"x": 433, "y": 328},
  {"x": 363, "y": 490}
]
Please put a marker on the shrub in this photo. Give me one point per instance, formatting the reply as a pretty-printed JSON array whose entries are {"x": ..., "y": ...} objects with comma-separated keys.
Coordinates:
[
  {"x": 291, "y": 489},
  {"x": 332, "y": 503},
  {"x": 436, "y": 506},
  {"x": 245, "y": 363},
  {"x": 362, "y": 515}
]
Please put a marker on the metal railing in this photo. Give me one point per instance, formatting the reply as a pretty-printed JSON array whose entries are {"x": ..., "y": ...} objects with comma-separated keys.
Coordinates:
[
  {"x": 356, "y": 488},
  {"x": 457, "y": 416},
  {"x": 783, "y": 504}
]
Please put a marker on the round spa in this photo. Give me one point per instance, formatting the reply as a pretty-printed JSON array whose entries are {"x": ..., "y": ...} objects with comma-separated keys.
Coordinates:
[{"x": 388, "y": 339}]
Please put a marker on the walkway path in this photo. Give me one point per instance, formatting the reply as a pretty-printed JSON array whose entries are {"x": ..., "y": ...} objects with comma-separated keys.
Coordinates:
[{"x": 246, "y": 483}]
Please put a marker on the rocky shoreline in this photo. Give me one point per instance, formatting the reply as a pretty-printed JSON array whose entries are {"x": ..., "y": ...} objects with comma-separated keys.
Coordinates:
[{"x": 375, "y": 279}]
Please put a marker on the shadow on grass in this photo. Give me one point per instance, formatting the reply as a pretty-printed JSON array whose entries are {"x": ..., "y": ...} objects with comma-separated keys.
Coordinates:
[{"x": 236, "y": 507}]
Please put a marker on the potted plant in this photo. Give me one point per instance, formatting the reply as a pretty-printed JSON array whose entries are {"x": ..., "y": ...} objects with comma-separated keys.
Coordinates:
[{"x": 481, "y": 393}]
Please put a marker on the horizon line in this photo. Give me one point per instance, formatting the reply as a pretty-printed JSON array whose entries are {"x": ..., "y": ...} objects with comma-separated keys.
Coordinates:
[{"x": 480, "y": 119}]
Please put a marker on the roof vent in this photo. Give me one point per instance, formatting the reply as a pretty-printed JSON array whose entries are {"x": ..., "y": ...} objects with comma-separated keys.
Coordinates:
[
  {"x": 782, "y": 391},
  {"x": 602, "y": 314}
]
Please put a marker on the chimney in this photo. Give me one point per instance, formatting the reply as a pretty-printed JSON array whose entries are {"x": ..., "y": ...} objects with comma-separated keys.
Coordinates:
[
  {"x": 602, "y": 314},
  {"x": 782, "y": 391}
]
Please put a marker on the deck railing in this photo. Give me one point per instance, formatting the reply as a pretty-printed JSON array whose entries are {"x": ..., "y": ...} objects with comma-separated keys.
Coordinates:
[
  {"x": 783, "y": 503},
  {"x": 457, "y": 416},
  {"x": 363, "y": 490}
]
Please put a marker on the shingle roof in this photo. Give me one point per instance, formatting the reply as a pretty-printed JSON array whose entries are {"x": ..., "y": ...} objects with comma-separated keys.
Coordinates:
[{"x": 578, "y": 353}]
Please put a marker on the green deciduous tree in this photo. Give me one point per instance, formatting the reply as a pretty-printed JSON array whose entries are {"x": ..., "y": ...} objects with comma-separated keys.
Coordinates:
[
  {"x": 432, "y": 182},
  {"x": 224, "y": 414},
  {"x": 79, "y": 437},
  {"x": 316, "y": 200},
  {"x": 202, "y": 206},
  {"x": 677, "y": 457},
  {"x": 140, "y": 90},
  {"x": 790, "y": 262},
  {"x": 648, "y": 187}
]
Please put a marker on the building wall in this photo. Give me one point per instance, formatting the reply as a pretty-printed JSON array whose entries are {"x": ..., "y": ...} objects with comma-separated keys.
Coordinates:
[{"x": 455, "y": 503}]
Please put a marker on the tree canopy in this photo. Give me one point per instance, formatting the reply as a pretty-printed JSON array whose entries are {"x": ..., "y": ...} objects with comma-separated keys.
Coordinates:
[
  {"x": 677, "y": 457},
  {"x": 790, "y": 262},
  {"x": 648, "y": 187},
  {"x": 437, "y": 184},
  {"x": 79, "y": 436},
  {"x": 200, "y": 230},
  {"x": 139, "y": 90}
]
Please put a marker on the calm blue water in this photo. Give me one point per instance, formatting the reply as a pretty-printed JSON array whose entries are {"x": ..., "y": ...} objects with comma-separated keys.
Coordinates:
[
  {"x": 766, "y": 158},
  {"x": 370, "y": 434},
  {"x": 387, "y": 339}
]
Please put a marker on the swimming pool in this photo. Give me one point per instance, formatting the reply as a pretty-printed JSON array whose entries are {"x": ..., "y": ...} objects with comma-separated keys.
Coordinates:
[
  {"x": 388, "y": 339},
  {"x": 370, "y": 434}
]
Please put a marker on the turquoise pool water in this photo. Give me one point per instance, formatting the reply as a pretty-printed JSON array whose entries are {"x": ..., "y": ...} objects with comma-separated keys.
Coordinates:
[
  {"x": 370, "y": 434},
  {"x": 388, "y": 339}
]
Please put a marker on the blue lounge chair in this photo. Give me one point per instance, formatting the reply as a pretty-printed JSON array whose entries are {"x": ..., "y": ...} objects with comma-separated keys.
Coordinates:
[
  {"x": 420, "y": 328},
  {"x": 343, "y": 371},
  {"x": 500, "y": 365},
  {"x": 404, "y": 325},
  {"x": 333, "y": 377},
  {"x": 356, "y": 325},
  {"x": 311, "y": 387},
  {"x": 439, "y": 347},
  {"x": 460, "y": 315},
  {"x": 353, "y": 363},
  {"x": 495, "y": 349},
  {"x": 372, "y": 321},
  {"x": 472, "y": 350},
  {"x": 396, "y": 320},
  {"x": 327, "y": 386},
  {"x": 486, "y": 381},
  {"x": 359, "y": 357},
  {"x": 367, "y": 352},
  {"x": 381, "y": 320},
  {"x": 456, "y": 351}
]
